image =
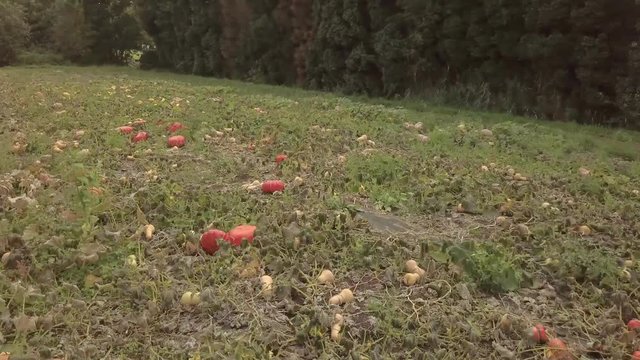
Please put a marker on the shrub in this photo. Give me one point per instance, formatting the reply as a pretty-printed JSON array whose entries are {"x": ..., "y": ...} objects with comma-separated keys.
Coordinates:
[
  {"x": 37, "y": 56},
  {"x": 149, "y": 60}
]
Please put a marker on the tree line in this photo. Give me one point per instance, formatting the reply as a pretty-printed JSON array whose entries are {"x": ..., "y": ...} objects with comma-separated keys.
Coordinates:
[
  {"x": 85, "y": 32},
  {"x": 557, "y": 59}
]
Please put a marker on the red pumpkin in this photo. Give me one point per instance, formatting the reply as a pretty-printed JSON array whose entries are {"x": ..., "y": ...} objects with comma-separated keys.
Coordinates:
[
  {"x": 140, "y": 136},
  {"x": 271, "y": 186},
  {"x": 280, "y": 158},
  {"x": 125, "y": 129},
  {"x": 237, "y": 234},
  {"x": 557, "y": 344},
  {"x": 176, "y": 141},
  {"x": 175, "y": 127},
  {"x": 209, "y": 241},
  {"x": 635, "y": 355},
  {"x": 557, "y": 350},
  {"x": 539, "y": 334},
  {"x": 633, "y": 324}
]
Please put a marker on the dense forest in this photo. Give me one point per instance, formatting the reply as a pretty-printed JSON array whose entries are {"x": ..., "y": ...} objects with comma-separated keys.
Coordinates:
[{"x": 559, "y": 59}]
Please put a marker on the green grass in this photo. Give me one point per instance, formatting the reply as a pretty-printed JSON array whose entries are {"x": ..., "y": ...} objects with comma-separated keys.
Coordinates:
[{"x": 92, "y": 202}]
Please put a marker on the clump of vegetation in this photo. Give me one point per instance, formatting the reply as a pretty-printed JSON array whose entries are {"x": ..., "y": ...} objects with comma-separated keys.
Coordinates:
[
  {"x": 586, "y": 264},
  {"x": 489, "y": 266}
]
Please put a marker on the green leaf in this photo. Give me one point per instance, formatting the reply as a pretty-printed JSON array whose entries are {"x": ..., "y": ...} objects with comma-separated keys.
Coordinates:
[
  {"x": 458, "y": 254},
  {"x": 439, "y": 256},
  {"x": 510, "y": 281}
]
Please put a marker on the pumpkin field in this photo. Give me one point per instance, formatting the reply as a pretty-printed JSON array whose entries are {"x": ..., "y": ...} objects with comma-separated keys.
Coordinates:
[{"x": 147, "y": 215}]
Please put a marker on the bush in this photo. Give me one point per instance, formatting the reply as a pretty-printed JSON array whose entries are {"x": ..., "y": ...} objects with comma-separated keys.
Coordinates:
[
  {"x": 149, "y": 60},
  {"x": 40, "y": 57},
  {"x": 14, "y": 32}
]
